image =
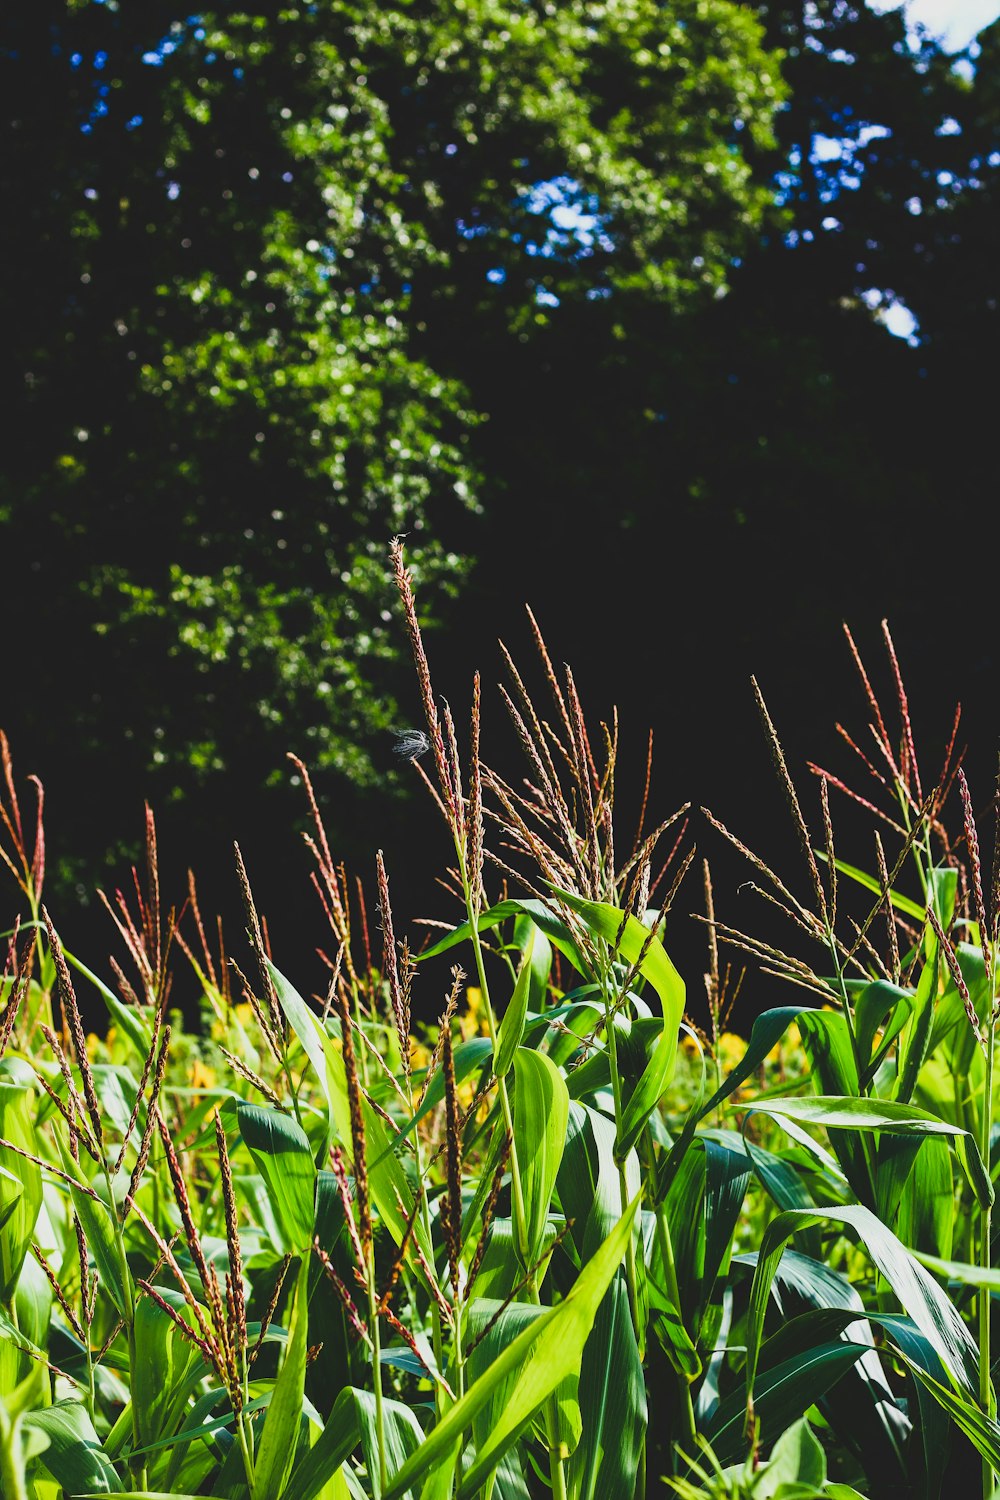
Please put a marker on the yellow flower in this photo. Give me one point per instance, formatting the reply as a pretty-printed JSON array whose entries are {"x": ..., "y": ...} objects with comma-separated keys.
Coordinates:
[
  {"x": 731, "y": 1049},
  {"x": 242, "y": 1014},
  {"x": 202, "y": 1077},
  {"x": 473, "y": 1022},
  {"x": 791, "y": 1040}
]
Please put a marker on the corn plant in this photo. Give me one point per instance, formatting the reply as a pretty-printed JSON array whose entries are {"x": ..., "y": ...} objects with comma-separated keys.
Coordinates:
[{"x": 567, "y": 1239}]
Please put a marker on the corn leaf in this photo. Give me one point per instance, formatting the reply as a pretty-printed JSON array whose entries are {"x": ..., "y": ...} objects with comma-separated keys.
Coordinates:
[
  {"x": 547, "y": 1351},
  {"x": 276, "y": 1455},
  {"x": 541, "y": 1109},
  {"x": 783, "y": 1393},
  {"x": 284, "y": 1157},
  {"x": 888, "y": 1117},
  {"x": 555, "y": 930},
  {"x": 73, "y": 1454},
  {"x": 390, "y": 1187},
  {"x": 861, "y": 877},
  {"x": 612, "y": 1397},
  {"x": 512, "y": 1026},
  {"x": 21, "y": 1182},
  {"x": 917, "y": 1291}
]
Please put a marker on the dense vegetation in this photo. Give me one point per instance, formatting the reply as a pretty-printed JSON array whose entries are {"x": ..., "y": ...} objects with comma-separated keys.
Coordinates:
[
  {"x": 282, "y": 280},
  {"x": 567, "y": 1240},
  {"x": 257, "y": 232}
]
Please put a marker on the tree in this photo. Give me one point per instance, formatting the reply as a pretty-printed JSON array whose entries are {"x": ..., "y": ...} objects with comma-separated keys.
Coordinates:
[{"x": 240, "y": 245}]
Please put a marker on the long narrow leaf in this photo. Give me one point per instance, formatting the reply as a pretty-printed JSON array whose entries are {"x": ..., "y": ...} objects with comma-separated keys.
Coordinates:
[
  {"x": 884, "y": 1115},
  {"x": 547, "y": 1352}
]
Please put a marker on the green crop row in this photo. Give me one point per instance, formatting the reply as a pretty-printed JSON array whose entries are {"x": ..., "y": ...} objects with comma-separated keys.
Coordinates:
[{"x": 566, "y": 1241}]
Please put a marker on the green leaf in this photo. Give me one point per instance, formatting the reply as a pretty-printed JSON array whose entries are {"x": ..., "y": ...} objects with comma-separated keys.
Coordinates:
[
  {"x": 700, "y": 1209},
  {"x": 766, "y": 1032},
  {"x": 160, "y": 1372},
  {"x": 933, "y": 1421},
  {"x": 982, "y": 1431},
  {"x": 401, "y": 1431},
  {"x": 512, "y": 1025},
  {"x": 11, "y": 1192},
  {"x": 647, "y": 1093},
  {"x": 494, "y": 1325},
  {"x": 194, "y": 1429},
  {"x": 783, "y": 1182},
  {"x": 541, "y": 1109},
  {"x": 634, "y": 940},
  {"x": 130, "y": 1018},
  {"x": 389, "y": 1185},
  {"x": 530, "y": 938},
  {"x": 21, "y": 1180},
  {"x": 607, "y": 922},
  {"x": 942, "y": 885},
  {"x": 796, "y": 1458},
  {"x": 927, "y": 1217},
  {"x": 588, "y": 1182},
  {"x": 284, "y": 1157},
  {"x": 820, "y": 1286},
  {"x": 276, "y": 1454},
  {"x": 469, "y": 1056},
  {"x": 827, "y": 1039},
  {"x": 884, "y": 1115},
  {"x": 879, "y": 1004},
  {"x": 917, "y": 1291},
  {"x": 116, "y": 1090},
  {"x": 548, "y": 1351},
  {"x": 917, "y": 1040},
  {"x": 782, "y": 1393},
  {"x": 99, "y": 1227},
  {"x": 612, "y": 1397},
  {"x": 73, "y": 1454},
  {"x": 961, "y": 1271},
  {"x": 727, "y": 1173},
  {"x": 335, "y": 1444},
  {"x": 308, "y": 1029},
  {"x": 555, "y": 930}
]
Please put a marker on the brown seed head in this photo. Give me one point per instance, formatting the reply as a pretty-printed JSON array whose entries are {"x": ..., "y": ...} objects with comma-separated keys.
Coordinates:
[
  {"x": 404, "y": 584},
  {"x": 972, "y": 844},
  {"x": 452, "y": 1206},
  {"x": 358, "y": 1145},
  {"x": 71, "y": 1011}
]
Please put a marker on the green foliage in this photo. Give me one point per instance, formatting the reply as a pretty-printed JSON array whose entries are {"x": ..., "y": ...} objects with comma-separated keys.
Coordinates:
[
  {"x": 227, "y": 316},
  {"x": 305, "y": 1253}
]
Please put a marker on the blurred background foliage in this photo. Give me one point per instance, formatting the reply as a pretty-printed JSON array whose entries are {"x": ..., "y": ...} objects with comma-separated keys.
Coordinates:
[{"x": 588, "y": 299}]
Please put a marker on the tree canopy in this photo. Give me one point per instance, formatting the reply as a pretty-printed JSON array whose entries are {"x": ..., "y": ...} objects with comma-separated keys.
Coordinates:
[{"x": 532, "y": 283}]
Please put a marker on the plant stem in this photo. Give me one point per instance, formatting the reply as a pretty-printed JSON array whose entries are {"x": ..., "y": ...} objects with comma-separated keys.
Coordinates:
[
  {"x": 556, "y": 1469},
  {"x": 245, "y": 1448},
  {"x": 556, "y": 1472},
  {"x": 377, "y": 1374},
  {"x": 666, "y": 1249},
  {"x": 129, "y": 1291},
  {"x": 616, "y": 1089},
  {"x": 12, "y": 1482},
  {"x": 867, "y": 1147},
  {"x": 517, "y": 1189},
  {"x": 986, "y": 1398},
  {"x": 425, "y": 1219}
]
